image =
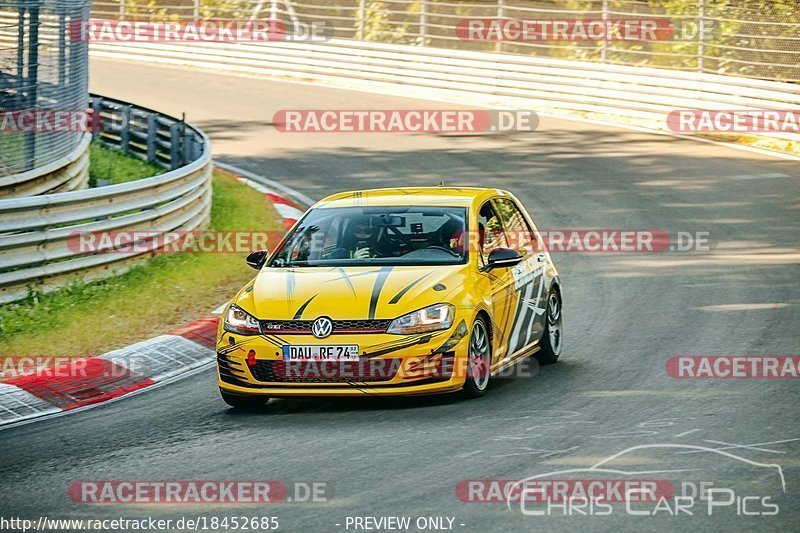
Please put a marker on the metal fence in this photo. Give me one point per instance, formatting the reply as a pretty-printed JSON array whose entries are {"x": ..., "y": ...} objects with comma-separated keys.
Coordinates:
[
  {"x": 624, "y": 95},
  {"x": 38, "y": 233},
  {"x": 759, "y": 39},
  {"x": 41, "y": 68},
  {"x": 147, "y": 134}
]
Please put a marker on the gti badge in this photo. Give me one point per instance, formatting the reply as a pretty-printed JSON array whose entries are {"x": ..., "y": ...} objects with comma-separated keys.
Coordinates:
[{"x": 322, "y": 327}]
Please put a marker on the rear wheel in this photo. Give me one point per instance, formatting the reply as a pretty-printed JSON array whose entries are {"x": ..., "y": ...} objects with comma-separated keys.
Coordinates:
[
  {"x": 552, "y": 340},
  {"x": 479, "y": 360},
  {"x": 243, "y": 402}
]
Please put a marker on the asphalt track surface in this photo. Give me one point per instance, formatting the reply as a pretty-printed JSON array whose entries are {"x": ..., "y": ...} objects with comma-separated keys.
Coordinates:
[{"x": 625, "y": 314}]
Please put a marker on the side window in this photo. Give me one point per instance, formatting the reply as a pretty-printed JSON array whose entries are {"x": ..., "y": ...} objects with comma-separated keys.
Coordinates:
[
  {"x": 331, "y": 239},
  {"x": 518, "y": 232},
  {"x": 490, "y": 231}
]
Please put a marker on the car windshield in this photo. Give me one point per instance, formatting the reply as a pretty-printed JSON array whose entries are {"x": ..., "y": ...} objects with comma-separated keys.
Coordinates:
[{"x": 360, "y": 236}]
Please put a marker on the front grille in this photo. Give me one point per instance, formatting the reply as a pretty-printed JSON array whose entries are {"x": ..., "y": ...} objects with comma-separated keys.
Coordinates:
[
  {"x": 303, "y": 327},
  {"x": 370, "y": 370}
]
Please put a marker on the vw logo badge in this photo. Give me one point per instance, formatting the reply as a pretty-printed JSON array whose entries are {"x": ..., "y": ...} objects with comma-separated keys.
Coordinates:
[{"x": 322, "y": 327}]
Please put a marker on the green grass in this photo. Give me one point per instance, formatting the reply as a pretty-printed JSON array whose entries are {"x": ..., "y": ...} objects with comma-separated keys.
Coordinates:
[
  {"x": 164, "y": 293},
  {"x": 111, "y": 164},
  {"x": 11, "y": 147}
]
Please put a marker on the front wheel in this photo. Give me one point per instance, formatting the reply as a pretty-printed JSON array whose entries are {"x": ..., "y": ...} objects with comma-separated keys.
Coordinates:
[
  {"x": 479, "y": 360},
  {"x": 552, "y": 340},
  {"x": 243, "y": 402}
]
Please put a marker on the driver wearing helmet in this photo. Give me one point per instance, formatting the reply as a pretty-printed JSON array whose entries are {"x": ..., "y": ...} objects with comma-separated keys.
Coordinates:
[{"x": 365, "y": 239}]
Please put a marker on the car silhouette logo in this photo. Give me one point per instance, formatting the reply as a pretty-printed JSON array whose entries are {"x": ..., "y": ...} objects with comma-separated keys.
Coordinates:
[{"x": 322, "y": 327}]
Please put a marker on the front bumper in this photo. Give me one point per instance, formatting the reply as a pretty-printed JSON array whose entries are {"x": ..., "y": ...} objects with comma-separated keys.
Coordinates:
[{"x": 389, "y": 365}]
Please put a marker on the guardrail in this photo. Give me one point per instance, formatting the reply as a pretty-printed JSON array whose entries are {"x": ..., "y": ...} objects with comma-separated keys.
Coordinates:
[
  {"x": 37, "y": 233},
  {"x": 629, "y": 95}
]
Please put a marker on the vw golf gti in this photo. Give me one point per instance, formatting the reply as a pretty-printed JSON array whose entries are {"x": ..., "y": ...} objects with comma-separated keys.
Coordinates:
[{"x": 393, "y": 291}]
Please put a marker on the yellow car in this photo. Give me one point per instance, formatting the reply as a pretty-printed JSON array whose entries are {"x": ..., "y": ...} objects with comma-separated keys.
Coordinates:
[{"x": 392, "y": 292}]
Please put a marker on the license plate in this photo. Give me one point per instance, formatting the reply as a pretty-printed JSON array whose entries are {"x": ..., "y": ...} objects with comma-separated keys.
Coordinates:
[{"x": 316, "y": 352}]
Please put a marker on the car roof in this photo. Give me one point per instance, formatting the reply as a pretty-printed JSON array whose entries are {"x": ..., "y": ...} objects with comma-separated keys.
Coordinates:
[{"x": 439, "y": 196}]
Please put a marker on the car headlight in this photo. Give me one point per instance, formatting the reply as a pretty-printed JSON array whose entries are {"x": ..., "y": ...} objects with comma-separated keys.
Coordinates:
[
  {"x": 432, "y": 318},
  {"x": 237, "y": 320}
]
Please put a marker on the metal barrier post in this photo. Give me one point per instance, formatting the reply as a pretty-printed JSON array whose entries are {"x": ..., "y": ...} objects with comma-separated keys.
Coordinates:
[
  {"x": 62, "y": 44},
  {"x": 97, "y": 120},
  {"x": 604, "y": 42},
  {"x": 701, "y": 35},
  {"x": 152, "y": 137},
  {"x": 187, "y": 145},
  {"x": 125, "y": 129},
  {"x": 174, "y": 145},
  {"x": 32, "y": 79},
  {"x": 362, "y": 19},
  {"x": 20, "y": 46},
  {"x": 501, "y": 8},
  {"x": 423, "y": 20}
]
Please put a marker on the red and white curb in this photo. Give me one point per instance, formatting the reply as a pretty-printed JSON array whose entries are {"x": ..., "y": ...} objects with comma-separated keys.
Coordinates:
[
  {"x": 289, "y": 203},
  {"x": 88, "y": 382},
  {"x": 93, "y": 380}
]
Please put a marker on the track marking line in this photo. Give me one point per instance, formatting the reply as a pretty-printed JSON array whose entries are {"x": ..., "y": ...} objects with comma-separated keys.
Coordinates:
[{"x": 771, "y": 175}]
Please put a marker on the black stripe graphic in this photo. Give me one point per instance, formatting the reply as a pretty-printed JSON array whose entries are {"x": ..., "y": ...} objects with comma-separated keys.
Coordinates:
[
  {"x": 299, "y": 312},
  {"x": 422, "y": 340},
  {"x": 406, "y": 289},
  {"x": 230, "y": 348},
  {"x": 271, "y": 340},
  {"x": 376, "y": 290},
  {"x": 280, "y": 340},
  {"x": 519, "y": 315}
]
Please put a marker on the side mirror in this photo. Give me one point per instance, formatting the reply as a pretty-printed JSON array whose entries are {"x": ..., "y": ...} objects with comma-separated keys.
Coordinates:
[
  {"x": 257, "y": 259},
  {"x": 503, "y": 257}
]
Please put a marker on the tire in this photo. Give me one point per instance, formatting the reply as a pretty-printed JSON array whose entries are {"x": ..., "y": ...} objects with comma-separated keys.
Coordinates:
[
  {"x": 479, "y": 359},
  {"x": 243, "y": 402},
  {"x": 553, "y": 338}
]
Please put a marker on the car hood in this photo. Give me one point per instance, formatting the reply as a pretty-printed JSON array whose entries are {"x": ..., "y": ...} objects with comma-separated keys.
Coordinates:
[{"x": 347, "y": 293}]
